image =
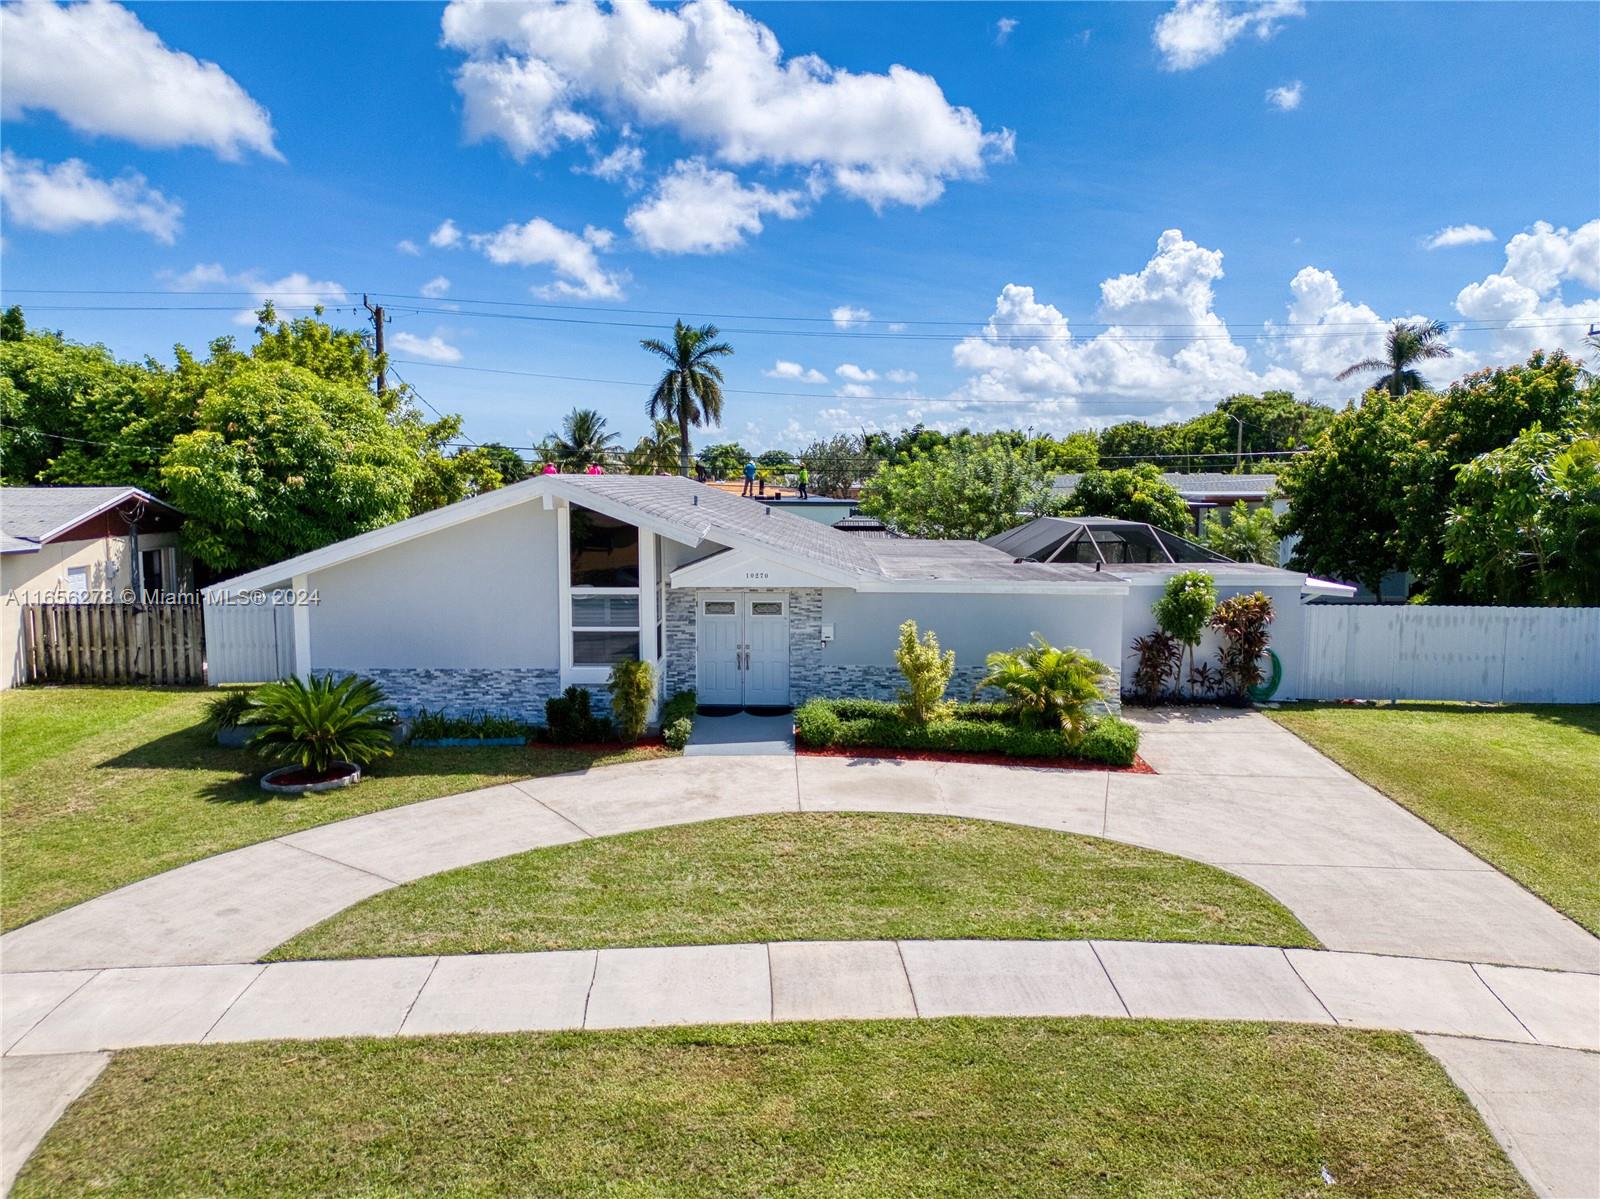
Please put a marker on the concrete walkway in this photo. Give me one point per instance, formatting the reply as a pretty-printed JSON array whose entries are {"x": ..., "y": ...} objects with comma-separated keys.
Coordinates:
[{"x": 742, "y": 734}]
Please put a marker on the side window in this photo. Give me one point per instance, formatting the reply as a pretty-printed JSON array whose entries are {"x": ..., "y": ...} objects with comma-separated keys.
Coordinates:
[{"x": 77, "y": 584}]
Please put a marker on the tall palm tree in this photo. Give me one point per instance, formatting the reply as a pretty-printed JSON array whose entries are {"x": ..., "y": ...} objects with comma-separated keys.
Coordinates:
[
  {"x": 1406, "y": 344},
  {"x": 690, "y": 392},
  {"x": 583, "y": 440}
]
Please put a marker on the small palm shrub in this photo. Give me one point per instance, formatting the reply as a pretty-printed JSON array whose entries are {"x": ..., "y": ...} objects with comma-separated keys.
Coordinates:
[
  {"x": 1160, "y": 658},
  {"x": 1242, "y": 620},
  {"x": 319, "y": 723},
  {"x": 1046, "y": 686},
  {"x": 927, "y": 673},
  {"x": 569, "y": 718},
  {"x": 226, "y": 710},
  {"x": 1186, "y": 606},
  {"x": 632, "y": 686}
]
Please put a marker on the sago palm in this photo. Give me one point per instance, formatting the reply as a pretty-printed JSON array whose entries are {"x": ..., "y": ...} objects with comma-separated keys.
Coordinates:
[
  {"x": 1406, "y": 344},
  {"x": 690, "y": 390},
  {"x": 322, "y": 722},
  {"x": 1047, "y": 686},
  {"x": 583, "y": 440}
]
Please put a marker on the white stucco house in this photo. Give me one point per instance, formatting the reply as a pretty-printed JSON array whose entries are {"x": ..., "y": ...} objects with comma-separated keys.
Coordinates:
[{"x": 500, "y": 601}]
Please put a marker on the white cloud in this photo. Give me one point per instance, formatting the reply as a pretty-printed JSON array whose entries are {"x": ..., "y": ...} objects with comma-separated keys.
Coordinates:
[
  {"x": 856, "y": 391},
  {"x": 900, "y": 376},
  {"x": 293, "y": 290},
  {"x": 793, "y": 370},
  {"x": 896, "y": 327},
  {"x": 1286, "y": 98},
  {"x": 845, "y": 316},
  {"x": 1325, "y": 333},
  {"x": 406, "y": 246},
  {"x": 1004, "y": 28},
  {"x": 573, "y": 257},
  {"x": 68, "y": 195},
  {"x": 436, "y": 287},
  {"x": 854, "y": 373},
  {"x": 434, "y": 348},
  {"x": 716, "y": 77},
  {"x": 624, "y": 164},
  {"x": 1459, "y": 235},
  {"x": 446, "y": 236},
  {"x": 1527, "y": 292},
  {"x": 698, "y": 209},
  {"x": 1193, "y": 32},
  {"x": 101, "y": 71}
]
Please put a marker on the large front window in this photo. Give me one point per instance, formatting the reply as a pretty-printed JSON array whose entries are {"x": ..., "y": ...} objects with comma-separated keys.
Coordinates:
[{"x": 605, "y": 589}]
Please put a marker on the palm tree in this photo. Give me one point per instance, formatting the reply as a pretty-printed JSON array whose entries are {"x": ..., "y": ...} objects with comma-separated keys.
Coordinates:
[
  {"x": 583, "y": 440},
  {"x": 690, "y": 392},
  {"x": 1406, "y": 344},
  {"x": 657, "y": 451}
]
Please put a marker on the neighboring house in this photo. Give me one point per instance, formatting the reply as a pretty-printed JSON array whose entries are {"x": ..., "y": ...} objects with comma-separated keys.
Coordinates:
[
  {"x": 82, "y": 544},
  {"x": 500, "y": 601},
  {"x": 1205, "y": 491}
]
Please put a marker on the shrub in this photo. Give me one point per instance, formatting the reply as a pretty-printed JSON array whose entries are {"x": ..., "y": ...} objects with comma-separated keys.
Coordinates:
[
  {"x": 569, "y": 718},
  {"x": 319, "y": 723},
  {"x": 676, "y": 733},
  {"x": 680, "y": 707},
  {"x": 1047, "y": 687},
  {"x": 927, "y": 673},
  {"x": 436, "y": 726},
  {"x": 1242, "y": 620},
  {"x": 1160, "y": 657},
  {"x": 817, "y": 723},
  {"x": 632, "y": 685},
  {"x": 226, "y": 710},
  {"x": 1110, "y": 740},
  {"x": 1185, "y": 607}
]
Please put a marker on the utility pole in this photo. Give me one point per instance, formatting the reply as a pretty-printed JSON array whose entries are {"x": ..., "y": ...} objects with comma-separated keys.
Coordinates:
[
  {"x": 377, "y": 324},
  {"x": 1238, "y": 445}
]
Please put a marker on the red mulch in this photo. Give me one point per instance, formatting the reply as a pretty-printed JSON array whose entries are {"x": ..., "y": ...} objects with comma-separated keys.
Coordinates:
[
  {"x": 1140, "y": 766},
  {"x": 603, "y": 747}
]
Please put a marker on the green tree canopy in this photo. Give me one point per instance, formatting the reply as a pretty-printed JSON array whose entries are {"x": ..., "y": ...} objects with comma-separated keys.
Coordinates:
[
  {"x": 656, "y": 452},
  {"x": 511, "y": 466},
  {"x": 724, "y": 460},
  {"x": 584, "y": 441},
  {"x": 1131, "y": 493},
  {"x": 1243, "y": 535},
  {"x": 836, "y": 464},
  {"x": 960, "y": 492}
]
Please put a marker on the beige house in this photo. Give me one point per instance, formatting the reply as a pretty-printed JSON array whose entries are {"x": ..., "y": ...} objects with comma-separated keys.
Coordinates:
[{"x": 82, "y": 545}]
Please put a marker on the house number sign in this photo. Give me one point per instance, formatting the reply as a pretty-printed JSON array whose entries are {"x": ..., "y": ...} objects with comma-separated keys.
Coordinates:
[{"x": 756, "y": 574}]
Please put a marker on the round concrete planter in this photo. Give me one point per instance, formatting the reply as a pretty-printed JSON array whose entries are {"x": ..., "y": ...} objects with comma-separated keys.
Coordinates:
[
  {"x": 236, "y": 737},
  {"x": 344, "y": 780}
]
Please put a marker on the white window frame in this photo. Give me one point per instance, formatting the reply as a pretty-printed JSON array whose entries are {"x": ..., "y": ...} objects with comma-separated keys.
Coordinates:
[
  {"x": 588, "y": 675},
  {"x": 74, "y": 595}
]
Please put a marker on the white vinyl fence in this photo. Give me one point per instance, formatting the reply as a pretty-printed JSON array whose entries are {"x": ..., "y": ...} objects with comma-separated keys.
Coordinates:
[
  {"x": 1407, "y": 651},
  {"x": 248, "y": 643}
]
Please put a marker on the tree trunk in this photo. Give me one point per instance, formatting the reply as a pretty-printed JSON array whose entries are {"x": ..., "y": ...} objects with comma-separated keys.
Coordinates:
[{"x": 683, "y": 446}]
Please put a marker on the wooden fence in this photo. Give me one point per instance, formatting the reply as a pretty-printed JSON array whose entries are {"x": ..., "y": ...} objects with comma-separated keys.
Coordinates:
[{"x": 160, "y": 644}]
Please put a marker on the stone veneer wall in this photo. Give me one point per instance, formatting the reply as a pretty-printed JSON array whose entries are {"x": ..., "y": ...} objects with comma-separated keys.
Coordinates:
[
  {"x": 677, "y": 656},
  {"x": 844, "y": 681},
  {"x": 518, "y": 693}
]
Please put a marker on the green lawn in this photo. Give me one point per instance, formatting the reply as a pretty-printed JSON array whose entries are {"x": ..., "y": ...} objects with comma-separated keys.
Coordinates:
[
  {"x": 807, "y": 877},
  {"x": 1519, "y": 786},
  {"x": 103, "y": 786},
  {"x": 946, "y": 1108}
]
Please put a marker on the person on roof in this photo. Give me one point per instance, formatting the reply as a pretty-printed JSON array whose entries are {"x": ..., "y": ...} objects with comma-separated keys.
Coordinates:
[
  {"x": 749, "y": 478},
  {"x": 549, "y": 469},
  {"x": 804, "y": 480},
  {"x": 594, "y": 468}
]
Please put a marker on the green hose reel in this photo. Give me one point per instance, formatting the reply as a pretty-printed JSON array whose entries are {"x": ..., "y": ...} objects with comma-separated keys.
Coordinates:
[{"x": 1268, "y": 687}]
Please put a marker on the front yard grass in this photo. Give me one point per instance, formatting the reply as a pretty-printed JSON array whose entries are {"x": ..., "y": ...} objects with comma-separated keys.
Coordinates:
[
  {"x": 100, "y": 787},
  {"x": 1517, "y": 785},
  {"x": 807, "y": 877},
  {"x": 945, "y": 1108}
]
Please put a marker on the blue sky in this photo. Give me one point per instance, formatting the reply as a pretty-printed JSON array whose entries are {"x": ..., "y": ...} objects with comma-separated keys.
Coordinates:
[{"x": 1055, "y": 215}]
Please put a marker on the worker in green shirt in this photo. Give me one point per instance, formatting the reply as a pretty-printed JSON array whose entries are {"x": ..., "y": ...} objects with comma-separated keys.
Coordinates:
[{"x": 804, "y": 479}]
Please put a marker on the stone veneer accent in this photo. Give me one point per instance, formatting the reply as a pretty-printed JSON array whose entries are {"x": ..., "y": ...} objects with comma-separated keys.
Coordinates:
[
  {"x": 515, "y": 692},
  {"x": 843, "y": 681},
  {"x": 677, "y": 657}
]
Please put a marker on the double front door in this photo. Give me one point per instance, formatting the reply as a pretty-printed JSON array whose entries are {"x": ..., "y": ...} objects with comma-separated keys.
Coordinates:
[{"x": 742, "y": 649}]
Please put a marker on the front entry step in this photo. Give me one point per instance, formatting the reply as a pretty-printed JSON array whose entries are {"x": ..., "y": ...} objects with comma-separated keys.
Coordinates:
[{"x": 743, "y": 734}]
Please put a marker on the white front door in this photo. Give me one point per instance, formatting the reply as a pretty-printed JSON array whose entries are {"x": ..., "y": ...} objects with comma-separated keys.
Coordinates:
[{"x": 742, "y": 650}]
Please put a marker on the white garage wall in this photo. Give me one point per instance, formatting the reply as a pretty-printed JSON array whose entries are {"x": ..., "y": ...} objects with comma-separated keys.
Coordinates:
[{"x": 479, "y": 595}]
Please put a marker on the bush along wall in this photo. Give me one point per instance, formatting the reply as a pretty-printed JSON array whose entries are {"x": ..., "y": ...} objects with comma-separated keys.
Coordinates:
[{"x": 975, "y": 728}]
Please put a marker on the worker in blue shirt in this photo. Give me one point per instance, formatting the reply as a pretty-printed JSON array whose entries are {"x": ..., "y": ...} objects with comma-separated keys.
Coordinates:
[{"x": 749, "y": 478}]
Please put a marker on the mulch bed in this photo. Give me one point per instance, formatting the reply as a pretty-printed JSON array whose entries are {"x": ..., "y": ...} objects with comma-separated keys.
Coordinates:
[
  {"x": 1140, "y": 766},
  {"x": 602, "y": 747}
]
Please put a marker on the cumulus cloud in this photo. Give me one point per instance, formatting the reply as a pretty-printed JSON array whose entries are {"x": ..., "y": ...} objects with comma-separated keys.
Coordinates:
[
  {"x": 1004, "y": 28},
  {"x": 1287, "y": 97},
  {"x": 854, "y": 373},
  {"x": 294, "y": 290},
  {"x": 406, "y": 246},
  {"x": 436, "y": 287},
  {"x": 900, "y": 376},
  {"x": 1459, "y": 235},
  {"x": 1193, "y": 32},
  {"x": 1526, "y": 294},
  {"x": 573, "y": 257},
  {"x": 69, "y": 195},
  {"x": 446, "y": 236},
  {"x": 434, "y": 348},
  {"x": 623, "y": 164},
  {"x": 844, "y": 316},
  {"x": 856, "y": 391},
  {"x": 536, "y": 76},
  {"x": 1324, "y": 333},
  {"x": 793, "y": 370},
  {"x": 697, "y": 209},
  {"x": 95, "y": 66}
]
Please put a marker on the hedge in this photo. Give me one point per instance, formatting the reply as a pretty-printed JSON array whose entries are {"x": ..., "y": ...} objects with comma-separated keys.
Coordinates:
[{"x": 975, "y": 728}]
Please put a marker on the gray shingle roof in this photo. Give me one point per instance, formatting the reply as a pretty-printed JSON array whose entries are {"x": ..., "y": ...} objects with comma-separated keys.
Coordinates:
[
  {"x": 910, "y": 559},
  {"x": 1199, "y": 484},
  {"x": 30, "y": 513}
]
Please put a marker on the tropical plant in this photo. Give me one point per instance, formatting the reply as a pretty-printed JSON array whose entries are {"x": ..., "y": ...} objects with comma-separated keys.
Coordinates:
[
  {"x": 1242, "y": 534},
  {"x": 725, "y": 460},
  {"x": 511, "y": 466},
  {"x": 1242, "y": 620},
  {"x": 1160, "y": 659},
  {"x": 583, "y": 441},
  {"x": 1132, "y": 493},
  {"x": 226, "y": 710},
  {"x": 837, "y": 464},
  {"x": 927, "y": 673},
  {"x": 1046, "y": 686},
  {"x": 569, "y": 718},
  {"x": 632, "y": 685},
  {"x": 960, "y": 491},
  {"x": 1185, "y": 606},
  {"x": 322, "y": 722},
  {"x": 656, "y": 452},
  {"x": 690, "y": 390},
  {"x": 1405, "y": 345}
]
